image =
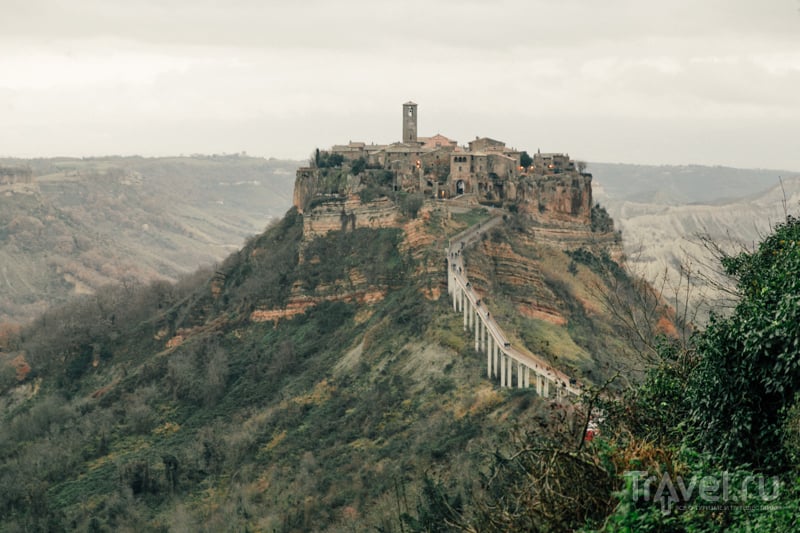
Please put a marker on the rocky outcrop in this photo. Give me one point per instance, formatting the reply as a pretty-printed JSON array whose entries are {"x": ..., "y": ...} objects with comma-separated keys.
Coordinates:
[
  {"x": 305, "y": 188},
  {"x": 354, "y": 288},
  {"x": 341, "y": 214},
  {"x": 533, "y": 299},
  {"x": 555, "y": 199},
  {"x": 299, "y": 304},
  {"x": 14, "y": 175}
]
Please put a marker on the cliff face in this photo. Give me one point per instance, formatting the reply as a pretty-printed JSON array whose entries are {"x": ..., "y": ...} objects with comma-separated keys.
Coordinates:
[
  {"x": 349, "y": 214},
  {"x": 13, "y": 175},
  {"x": 556, "y": 199},
  {"x": 530, "y": 294},
  {"x": 305, "y": 188},
  {"x": 358, "y": 283}
]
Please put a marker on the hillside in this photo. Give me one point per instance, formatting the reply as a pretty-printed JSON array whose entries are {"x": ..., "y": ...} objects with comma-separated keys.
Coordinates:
[
  {"x": 681, "y": 184},
  {"x": 69, "y": 226},
  {"x": 734, "y": 208},
  {"x": 313, "y": 383}
]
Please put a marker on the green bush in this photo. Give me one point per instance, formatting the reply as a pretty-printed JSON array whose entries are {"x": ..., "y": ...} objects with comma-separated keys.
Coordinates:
[{"x": 748, "y": 373}]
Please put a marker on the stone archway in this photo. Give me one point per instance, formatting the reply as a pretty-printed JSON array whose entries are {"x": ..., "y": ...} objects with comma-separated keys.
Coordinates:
[{"x": 460, "y": 187}]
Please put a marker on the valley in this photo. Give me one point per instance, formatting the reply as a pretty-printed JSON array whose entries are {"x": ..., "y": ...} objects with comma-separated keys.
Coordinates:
[{"x": 69, "y": 226}]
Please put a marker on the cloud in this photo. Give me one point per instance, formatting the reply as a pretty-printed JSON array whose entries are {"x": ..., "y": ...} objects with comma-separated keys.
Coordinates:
[{"x": 297, "y": 75}]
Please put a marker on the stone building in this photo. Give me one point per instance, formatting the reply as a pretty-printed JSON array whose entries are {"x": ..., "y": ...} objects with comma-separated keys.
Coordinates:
[
  {"x": 547, "y": 164},
  {"x": 439, "y": 168}
]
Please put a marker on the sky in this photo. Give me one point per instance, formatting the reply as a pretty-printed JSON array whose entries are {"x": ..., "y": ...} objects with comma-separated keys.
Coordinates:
[{"x": 713, "y": 82}]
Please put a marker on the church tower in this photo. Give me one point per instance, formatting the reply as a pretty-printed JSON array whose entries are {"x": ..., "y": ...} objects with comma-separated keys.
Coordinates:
[{"x": 409, "y": 122}]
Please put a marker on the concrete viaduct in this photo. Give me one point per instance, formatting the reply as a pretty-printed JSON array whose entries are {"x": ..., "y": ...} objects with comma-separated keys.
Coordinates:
[{"x": 511, "y": 366}]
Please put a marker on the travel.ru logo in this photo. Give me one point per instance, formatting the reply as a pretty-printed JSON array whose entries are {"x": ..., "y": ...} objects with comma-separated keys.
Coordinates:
[{"x": 720, "y": 491}]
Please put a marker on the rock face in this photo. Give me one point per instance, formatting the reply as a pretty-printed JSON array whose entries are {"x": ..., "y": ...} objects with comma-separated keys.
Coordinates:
[
  {"x": 556, "y": 199},
  {"x": 13, "y": 175},
  {"x": 532, "y": 297},
  {"x": 305, "y": 188},
  {"x": 349, "y": 214}
]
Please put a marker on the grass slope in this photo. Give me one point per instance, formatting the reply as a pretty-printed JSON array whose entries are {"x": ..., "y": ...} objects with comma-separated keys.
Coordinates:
[{"x": 164, "y": 408}]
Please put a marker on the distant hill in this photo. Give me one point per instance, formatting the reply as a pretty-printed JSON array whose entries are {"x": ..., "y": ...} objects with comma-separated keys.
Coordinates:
[
  {"x": 682, "y": 184},
  {"x": 663, "y": 210},
  {"x": 69, "y": 226}
]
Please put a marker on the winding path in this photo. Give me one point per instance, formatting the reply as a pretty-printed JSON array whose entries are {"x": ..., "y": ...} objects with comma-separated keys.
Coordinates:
[{"x": 503, "y": 360}]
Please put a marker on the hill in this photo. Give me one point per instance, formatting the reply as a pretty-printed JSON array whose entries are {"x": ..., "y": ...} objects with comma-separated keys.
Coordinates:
[
  {"x": 732, "y": 208},
  {"x": 69, "y": 226},
  {"x": 313, "y": 383},
  {"x": 681, "y": 184}
]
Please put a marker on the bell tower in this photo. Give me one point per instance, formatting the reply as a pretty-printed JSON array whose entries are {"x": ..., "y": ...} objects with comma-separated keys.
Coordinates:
[{"x": 409, "y": 122}]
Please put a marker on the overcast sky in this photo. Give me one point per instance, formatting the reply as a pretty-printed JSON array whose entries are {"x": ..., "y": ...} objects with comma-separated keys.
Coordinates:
[{"x": 636, "y": 81}]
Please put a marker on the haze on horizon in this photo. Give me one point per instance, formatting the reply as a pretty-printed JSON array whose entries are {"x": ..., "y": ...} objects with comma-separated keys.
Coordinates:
[{"x": 632, "y": 81}]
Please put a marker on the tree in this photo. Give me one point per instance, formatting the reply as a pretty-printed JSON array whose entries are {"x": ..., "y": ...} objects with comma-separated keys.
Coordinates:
[
  {"x": 358, "y": 166},
  {"x": 525, "y": 160},
  {"x": 748, "y": 374},
  {"x": 411, "y": 204}
]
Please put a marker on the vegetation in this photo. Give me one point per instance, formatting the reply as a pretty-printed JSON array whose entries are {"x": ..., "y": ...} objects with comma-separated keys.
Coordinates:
[
  {"x": 170, "y": 407},
  {"x": 601, "y": 221},
  {"x": 525, "y": 160},
  {"x": 164, "y": 407},
  {"x": 322, "y": 159},
  {"x": 713, "y": 427}
]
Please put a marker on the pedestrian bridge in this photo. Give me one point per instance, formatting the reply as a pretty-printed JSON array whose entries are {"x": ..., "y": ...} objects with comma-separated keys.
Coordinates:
[{"x": 511, "y": 366}]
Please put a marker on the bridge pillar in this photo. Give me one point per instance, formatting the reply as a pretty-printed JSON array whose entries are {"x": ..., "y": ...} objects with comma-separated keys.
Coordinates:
[
  {"x": 449, "y": 274},
  {"x": 527, "y": 377},
  {"x": 510, "y": 369},
  {"x": 502, "y": 370},
  {"x": 464, "y": 304},
  {"x": 545, "y": 387},
  {"x": 489, "y": 358},
  {"x": 519, "y": 375},
  {"x": 477, "y": 327},
  {"x": 496, "y": 364}
]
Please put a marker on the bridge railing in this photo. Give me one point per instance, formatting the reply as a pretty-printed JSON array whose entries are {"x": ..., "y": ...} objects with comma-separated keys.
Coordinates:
[{"x": 457, "y": 281}]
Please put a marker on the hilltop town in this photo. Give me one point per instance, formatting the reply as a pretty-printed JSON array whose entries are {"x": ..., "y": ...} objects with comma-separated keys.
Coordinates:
[{"x": 550, "y": 188}]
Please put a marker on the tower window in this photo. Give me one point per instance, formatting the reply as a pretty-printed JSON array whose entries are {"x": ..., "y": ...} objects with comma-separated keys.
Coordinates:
[{"x": 409, "y": 111}]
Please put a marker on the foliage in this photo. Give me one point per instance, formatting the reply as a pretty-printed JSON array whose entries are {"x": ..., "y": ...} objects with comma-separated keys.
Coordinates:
[
  {"x": 601, "y": 221},
  {"x": 410, "y": 204},
  {"x": 328, "y": 159},
  {"x": 437, "y": 510},
  {"x": 374, "y": 253},
  {"x": 725, "y": 405},
  {"x": 358, "y": 166},
  {"x": 749, "y": 372},
  {"x": 372, "y": 192},
  {"x": 525, "y": 160},
  {"x": 601, "y": 264},
  {"x": 536, "y": 488}
]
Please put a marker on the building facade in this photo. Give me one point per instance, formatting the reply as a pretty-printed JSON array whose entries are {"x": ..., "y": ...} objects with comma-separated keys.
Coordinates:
[{"x": 439, "y": 167}]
